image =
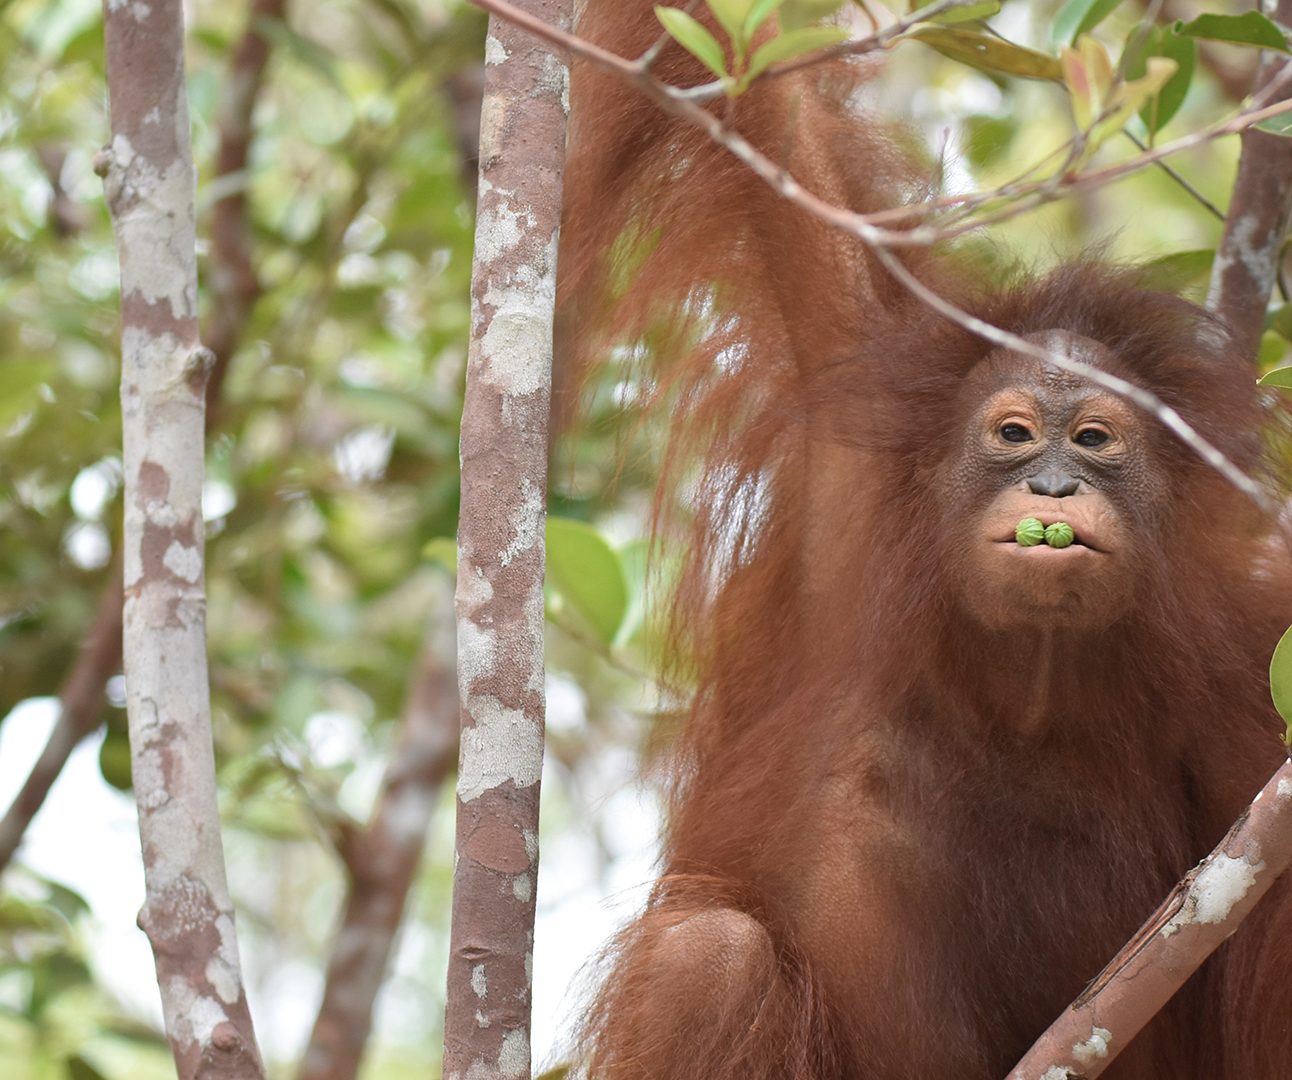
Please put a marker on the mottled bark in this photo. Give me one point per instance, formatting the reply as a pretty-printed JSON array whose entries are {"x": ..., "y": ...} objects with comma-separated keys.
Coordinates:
[
  {"x": 500, "y": 552},
  {"x": 234, "y": 289},
  {"x": 382, "y": 859},
  {"x": 150, "y": 181},
  {"x": 1205, "y": 909},
  {"x": 1247, "y": 260}
]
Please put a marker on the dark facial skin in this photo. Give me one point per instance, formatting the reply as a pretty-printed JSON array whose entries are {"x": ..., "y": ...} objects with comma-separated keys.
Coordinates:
[{"x": 1041, "y": 443}]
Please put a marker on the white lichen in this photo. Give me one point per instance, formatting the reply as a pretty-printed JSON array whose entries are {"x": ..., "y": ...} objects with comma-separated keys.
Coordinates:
[
  {"x": 527, "y": 521},
  {"x": 479, "y": 983},
  {"x": 1220, "y": 885},
  {"x": 183, "y": 561},
  {"x": 495, "y": 51},
  {"x": 517, "y": 344},
  {"x": 477, "y": 653},
  {"x": 503, "y": 744},
  {"x": 513, "y": 1058},
  {"x": 1094, "y": 1047},
  {"x": 222, "y": 969},
  {"x": 499, "y": 228},
  {"x": 153, "y": 215}
]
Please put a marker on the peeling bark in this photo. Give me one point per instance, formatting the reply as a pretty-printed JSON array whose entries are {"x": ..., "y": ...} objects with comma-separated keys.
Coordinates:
[
  {"x": 500, "y": 552},
  {"x": 1247, "y": 259},
  {"x": 150, "y": 182},
  {"x": 382, "y": 859},
  {"x": 1205, "y": 909}
]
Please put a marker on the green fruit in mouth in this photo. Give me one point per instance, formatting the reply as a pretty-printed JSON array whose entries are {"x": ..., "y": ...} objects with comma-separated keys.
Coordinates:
[
  {"x": 1059, "y": 535},
  {"x": 1029, "y": 533}
]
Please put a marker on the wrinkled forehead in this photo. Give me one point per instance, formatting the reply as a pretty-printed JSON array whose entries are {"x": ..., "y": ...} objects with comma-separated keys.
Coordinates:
[{"x": 1005, "y": 370}]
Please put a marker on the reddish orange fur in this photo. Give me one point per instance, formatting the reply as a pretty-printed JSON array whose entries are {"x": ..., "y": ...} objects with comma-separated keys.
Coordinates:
[{"x": 935, "y": 884}]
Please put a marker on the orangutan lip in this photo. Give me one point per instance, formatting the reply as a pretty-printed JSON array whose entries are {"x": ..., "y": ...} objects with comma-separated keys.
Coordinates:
[{"x": 1076, "y": 543}]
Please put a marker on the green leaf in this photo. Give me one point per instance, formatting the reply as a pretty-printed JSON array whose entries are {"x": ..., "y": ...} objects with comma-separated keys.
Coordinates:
[
  {"x": 789, "y": 45},
  {"x": 796, "y": 13},
  {"x": 1078, "y": 17},
  {"x": 987, "y": 138},
  {"x": 114, "y": 760},
  {"x": 1281, "y": 676},
  {"x": 1177, "y": 271},
  {"x": 759, "y": 13},
  {"x": 1250, "y": 28},
  {"x": 731, "y": 17},
  {"x": 1088, "y": 75},
  {"x": 1282, "y": 378},
  {"x": 969, "y": 13},
  {"x": 1161, "y": 41},
  {"x": 987, "y": 53},
  {"x": 80, "y": 1069},
  {"x": 584, "y": 572},
  {"x": 694, "y": 38},
  {"x": 1277, "y": 125},
  {"x": 1280, "y": 321},
  {"x": 1130, "y": 97}
]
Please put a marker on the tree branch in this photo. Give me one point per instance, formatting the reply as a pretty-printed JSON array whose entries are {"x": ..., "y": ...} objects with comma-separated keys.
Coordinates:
[
  {"x": 80, "y": 706},
  {"x": 150, "y": 181},
  {"x": 1202, "y": 911},
  {"x": 1247, "y": 260},
  {"x": 233, "y": 283},
  {"x": 500, "y": 550},
  {"x": 234, "y": 289},
  {"x": 382, "y": 860}
]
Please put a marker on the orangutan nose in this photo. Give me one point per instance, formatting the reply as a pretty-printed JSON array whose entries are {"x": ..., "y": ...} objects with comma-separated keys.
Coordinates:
[{"x": 1053, "y": 483}]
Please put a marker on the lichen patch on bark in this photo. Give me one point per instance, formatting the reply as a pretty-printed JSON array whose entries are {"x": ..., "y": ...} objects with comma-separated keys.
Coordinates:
[{"x": 502, "y": 745}]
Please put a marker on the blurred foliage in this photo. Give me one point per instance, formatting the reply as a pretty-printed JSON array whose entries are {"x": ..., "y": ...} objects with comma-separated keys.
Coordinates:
[{"x": 332, "y": 494}]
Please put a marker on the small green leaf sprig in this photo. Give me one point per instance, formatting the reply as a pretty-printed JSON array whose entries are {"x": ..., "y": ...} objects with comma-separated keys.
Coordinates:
[
  {"x": 741, "y": 20},
  {"x": 1031, "y": 533}
]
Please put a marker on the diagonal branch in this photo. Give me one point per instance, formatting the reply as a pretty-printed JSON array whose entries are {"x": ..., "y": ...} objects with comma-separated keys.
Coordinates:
[
  {"x": 1204, "y": 909},
  {"x": 80, "y": 702}
]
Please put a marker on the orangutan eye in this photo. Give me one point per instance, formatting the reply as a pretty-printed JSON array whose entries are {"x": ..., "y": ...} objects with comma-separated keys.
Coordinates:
[
  {"x": 1091, "y": 438},
  {"x": 1015, "y": 433}
]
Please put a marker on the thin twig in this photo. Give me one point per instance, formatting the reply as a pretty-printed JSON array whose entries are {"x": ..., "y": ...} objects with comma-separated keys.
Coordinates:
[
  {"x": 1180, "y": 179},
  {"x": 648, "y": 58}
]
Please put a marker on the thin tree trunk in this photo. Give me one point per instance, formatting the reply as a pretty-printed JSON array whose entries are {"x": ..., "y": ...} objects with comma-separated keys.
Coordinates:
[
  {"x": 382, "y": 859},
  {"x": 501, "y": 554},
  {"x": 1247, "y": 260},
  {"x": 234, "y": 289},
  {"x": 150, "y": 181}
]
